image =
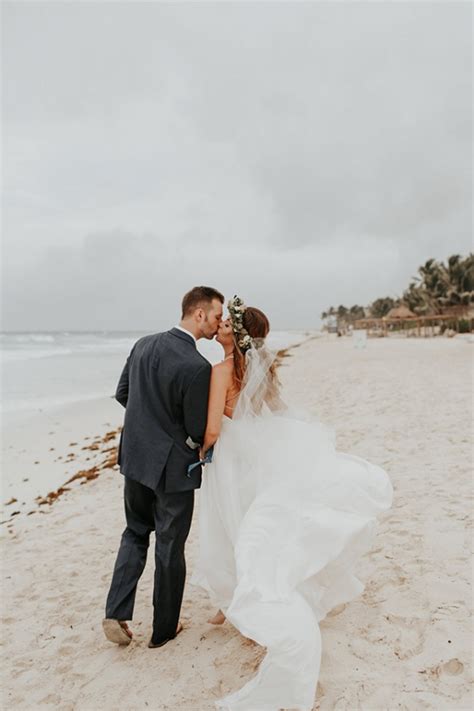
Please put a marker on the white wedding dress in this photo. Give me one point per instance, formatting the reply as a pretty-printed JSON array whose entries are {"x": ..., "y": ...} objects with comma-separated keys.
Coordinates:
[{"x": 284, "y": 518}]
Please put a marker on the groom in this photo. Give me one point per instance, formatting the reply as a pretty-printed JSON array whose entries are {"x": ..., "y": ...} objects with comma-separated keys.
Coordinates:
[{"x": 164, "y": 388}]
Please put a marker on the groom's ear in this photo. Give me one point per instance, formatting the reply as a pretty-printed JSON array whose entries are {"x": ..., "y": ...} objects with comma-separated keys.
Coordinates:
[
  {"x": 217, "y": 308},
  {"x": 199, "y": 315}
]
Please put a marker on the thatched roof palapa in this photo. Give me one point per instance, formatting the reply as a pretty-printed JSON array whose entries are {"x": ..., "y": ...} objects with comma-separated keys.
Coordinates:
[{"x": 401, "y": 311}]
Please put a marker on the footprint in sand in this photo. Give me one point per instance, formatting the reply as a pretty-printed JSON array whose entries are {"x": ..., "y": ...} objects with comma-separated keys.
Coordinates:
[
  {"x": 67, "y": 650},
  {"x": 409, "y": 635},
  {"x": 453, "y": 667},
  {"x": 18, "y": 672}
]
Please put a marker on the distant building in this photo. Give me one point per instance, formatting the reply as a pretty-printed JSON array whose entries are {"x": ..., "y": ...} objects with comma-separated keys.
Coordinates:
[{"x": 401, "y": 311}]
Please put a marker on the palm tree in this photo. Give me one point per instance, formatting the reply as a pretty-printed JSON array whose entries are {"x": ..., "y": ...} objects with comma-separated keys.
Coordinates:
[
  {"x": 416, "y": 299},
  {"x": 380, "y": 307},
  {"x": 356, "y": 312},
  {"x": 460, "y": 281},
  {"x": 442, "y": 285},
  {"x": 425, "y": 291},
  {"x": 437, "y": 286}
]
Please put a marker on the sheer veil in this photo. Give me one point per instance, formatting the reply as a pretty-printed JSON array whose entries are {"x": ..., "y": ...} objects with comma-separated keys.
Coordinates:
[{"x": 260, "y": 391}]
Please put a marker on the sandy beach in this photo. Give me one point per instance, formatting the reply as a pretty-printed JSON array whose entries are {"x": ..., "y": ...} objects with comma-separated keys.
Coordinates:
[{"x": 404, "y": 404}]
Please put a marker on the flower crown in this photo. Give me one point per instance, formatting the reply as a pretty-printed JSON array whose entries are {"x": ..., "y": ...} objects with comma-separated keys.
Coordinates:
[{"x": 237, "y": 309}]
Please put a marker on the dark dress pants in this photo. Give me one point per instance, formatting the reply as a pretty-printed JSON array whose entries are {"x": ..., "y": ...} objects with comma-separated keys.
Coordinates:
[{"x": 169, "y": 515}]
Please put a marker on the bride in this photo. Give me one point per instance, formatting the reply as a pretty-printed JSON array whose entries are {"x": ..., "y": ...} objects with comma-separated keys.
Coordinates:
[{"x": 284, "y": 518}]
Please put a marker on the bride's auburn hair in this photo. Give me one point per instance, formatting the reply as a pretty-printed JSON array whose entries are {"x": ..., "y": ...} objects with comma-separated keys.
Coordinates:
[
  {"x": 257, "y": 326},
  {"x": 255, "y": 322}
]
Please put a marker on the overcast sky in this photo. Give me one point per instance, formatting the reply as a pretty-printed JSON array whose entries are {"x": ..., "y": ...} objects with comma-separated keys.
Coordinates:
[{"x": 301, "y": 155}]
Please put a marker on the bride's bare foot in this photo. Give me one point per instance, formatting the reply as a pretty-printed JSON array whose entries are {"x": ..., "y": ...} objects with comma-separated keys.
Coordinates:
[{"x": 218, "y": 619}]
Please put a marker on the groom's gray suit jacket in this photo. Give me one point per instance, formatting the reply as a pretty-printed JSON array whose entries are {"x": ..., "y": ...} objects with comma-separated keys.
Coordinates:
[{"x": 164, "y": 388}]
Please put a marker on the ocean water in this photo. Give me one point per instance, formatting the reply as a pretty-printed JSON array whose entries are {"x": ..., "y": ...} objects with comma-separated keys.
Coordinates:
[{"x": 42, "y": 370}]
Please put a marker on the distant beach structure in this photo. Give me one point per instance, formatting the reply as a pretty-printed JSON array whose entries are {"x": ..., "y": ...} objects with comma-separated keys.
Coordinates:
[
  {"x": 402, "y": 321},
  {"x": 400, "y": 311},
  {"x": 439, "y": 301},
  {"x": 331, "y": 324}
]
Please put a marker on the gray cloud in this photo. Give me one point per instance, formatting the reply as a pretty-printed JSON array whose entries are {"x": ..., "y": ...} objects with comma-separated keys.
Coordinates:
[{"x": 302, "y": 154}]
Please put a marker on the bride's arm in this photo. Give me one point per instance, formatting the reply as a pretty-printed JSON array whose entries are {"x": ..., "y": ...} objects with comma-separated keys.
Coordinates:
[{"x": 217, "y": 393}]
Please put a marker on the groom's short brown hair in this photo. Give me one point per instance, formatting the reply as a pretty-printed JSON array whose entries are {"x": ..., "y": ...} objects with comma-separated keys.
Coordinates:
[{"x": 199, "y": 296}]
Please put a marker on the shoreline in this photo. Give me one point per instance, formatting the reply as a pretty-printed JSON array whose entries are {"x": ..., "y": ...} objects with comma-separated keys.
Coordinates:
[{"x": 38, "y": 381}]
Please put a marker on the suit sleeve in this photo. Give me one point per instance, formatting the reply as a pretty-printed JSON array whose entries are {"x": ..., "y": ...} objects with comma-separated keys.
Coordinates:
[
  {"x": 195, "y": 404},
  {"x": 121, "y": 394}
]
